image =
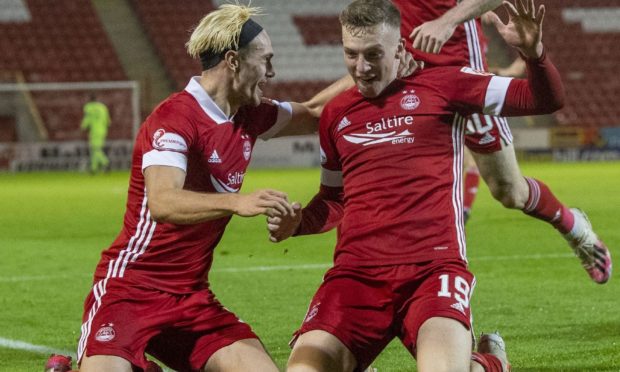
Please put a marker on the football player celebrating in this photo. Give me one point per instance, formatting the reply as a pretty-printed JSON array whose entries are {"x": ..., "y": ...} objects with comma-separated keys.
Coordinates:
[
  {"x": 447, "y": 33},
  {"x": 151, "y": 291},
  {"x": 391, "y": 181}
]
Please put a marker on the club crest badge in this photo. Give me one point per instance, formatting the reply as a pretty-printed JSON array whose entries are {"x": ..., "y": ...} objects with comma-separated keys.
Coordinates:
[
  {"x": 247, "y": 150},
  {"x": 409, "y": 101},
  {"x": 312, "y": 313},
  {"x": 105, "y": 333}
]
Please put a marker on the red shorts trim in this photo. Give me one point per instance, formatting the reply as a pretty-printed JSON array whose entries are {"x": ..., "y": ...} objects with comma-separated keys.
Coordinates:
[
  {"x": 182, "y": 331},
  {"x": 366, "y": 307}
]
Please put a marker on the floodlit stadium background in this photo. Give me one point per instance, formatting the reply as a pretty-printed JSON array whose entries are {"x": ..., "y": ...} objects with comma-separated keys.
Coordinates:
[{"x": 55, "y": 219}]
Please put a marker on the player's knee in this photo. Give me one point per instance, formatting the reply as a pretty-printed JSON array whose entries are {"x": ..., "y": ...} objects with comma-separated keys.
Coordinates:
[
  {"x": 320, "y": 351},
  {"x": 309, "y": 358},
  {"x": 243, "y": 355},
  {"x": 506, "y": 193},
  {"x": 445, "y": 366}
]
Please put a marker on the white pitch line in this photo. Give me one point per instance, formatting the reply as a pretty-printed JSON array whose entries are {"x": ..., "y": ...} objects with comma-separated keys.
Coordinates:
[
  {"x": 11, "y": 279},
  {"x": 39, "y": 349}
]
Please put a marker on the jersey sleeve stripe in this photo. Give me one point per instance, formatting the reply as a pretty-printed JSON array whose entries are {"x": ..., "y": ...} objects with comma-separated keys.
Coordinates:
[
  {"x": 496, "y": 95},
  {"x": 168, "y": 158},
  {"x": 331, "y": 178},
  {"x": 285, "y": 113}
]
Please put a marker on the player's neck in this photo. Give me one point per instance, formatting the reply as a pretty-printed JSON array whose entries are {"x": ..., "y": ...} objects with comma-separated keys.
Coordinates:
[{"x": 218, "y": 88}]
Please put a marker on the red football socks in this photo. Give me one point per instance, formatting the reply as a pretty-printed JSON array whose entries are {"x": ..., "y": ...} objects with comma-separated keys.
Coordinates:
[
  {"x": 542, "y": 204},
  {"x": 489, "y": 362},
  {"x": 472, "y": 179}
]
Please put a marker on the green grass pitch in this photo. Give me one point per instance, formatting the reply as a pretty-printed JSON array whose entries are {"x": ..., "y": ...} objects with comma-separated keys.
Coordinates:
[{"x": 553, "y": 318}]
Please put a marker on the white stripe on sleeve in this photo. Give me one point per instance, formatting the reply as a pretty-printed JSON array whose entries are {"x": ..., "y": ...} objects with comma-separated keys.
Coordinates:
[
  {"x": 331, "y": 178},
  {"x": 168, "y": 158},
  {"x": 285, "y": 113},
  {"x": 496, "y": 95}
]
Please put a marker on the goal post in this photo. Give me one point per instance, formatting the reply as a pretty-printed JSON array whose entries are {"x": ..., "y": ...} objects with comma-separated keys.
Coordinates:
[{"x": 40, "y": 124}]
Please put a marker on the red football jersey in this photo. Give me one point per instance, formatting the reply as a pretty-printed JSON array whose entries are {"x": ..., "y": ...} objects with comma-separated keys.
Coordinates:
[
  {"x": 399, "y": 158},
  {"x": 190, "y": 132},
  {"x": 464, "y": 48}
]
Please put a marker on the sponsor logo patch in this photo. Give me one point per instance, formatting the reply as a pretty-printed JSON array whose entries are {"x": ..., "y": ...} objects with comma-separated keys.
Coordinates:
[
  {"x": 486, "y": 139},
  {"x": 323, "y": 156},
  {"x": 343, "y": 124},
  {"x": 168, "y": 141},
  {"x": 214, "y": 158},
  {"x": 232, "y": 184},
  {"x": 373, "y": 138},
  {"x": 458, "y": 306},
  {"x": 471, "y": 71}
]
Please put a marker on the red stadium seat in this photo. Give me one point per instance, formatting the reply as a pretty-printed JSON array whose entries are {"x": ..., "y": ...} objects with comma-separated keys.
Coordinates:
[{"x": 65, "y": 41}]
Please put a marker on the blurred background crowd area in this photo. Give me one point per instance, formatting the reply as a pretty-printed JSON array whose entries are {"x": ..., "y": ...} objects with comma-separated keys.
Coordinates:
[{"x": 85, "y": 41}]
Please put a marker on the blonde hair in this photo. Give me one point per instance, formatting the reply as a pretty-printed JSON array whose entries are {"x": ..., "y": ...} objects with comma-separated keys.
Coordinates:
[{"x": 220, "y": 30}]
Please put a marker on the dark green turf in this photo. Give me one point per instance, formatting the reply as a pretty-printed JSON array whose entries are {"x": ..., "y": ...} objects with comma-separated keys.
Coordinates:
[{"x": 53, "y": 226}]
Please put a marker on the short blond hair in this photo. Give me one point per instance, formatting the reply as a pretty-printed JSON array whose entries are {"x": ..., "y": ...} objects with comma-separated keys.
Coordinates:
[{"x": 220, "y": 30}]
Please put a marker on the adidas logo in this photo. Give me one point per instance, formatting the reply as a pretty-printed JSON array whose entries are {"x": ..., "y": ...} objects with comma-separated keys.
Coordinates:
[
  {"x": 343, "y": 124},
  {"x": 486, "y": 139},
  {"x": 214, "y": 158},
  {"x": 458, "y": 306}
]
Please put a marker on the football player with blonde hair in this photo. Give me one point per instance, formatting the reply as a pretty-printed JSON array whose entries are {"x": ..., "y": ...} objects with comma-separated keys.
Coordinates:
[{"x": 151, "y": 292}]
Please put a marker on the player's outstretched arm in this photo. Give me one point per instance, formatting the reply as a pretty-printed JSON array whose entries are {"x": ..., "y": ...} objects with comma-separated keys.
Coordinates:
[
  {"x": 542, "y": 92},
  {"x": 430, "y": 36},
  {"x": 169, "y": 202}
]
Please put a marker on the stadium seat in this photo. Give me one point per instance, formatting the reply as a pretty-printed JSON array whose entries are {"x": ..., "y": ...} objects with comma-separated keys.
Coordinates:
[
  {"x": 591, "y": 83},
  {"x": 64, "y": 41}
]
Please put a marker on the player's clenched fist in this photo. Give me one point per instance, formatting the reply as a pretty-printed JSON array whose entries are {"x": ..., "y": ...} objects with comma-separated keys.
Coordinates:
[
  {"x": 268, "y": 202},
  {"x": 284, "y": 226}
]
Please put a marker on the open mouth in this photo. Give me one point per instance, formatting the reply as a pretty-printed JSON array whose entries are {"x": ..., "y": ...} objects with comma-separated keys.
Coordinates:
[
  {"x": 261, "y": 86},
  {"x": 366, "y": 80}
]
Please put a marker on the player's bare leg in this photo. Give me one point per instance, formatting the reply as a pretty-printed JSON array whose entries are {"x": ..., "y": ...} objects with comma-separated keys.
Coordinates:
[
  {"x": 243, "y": 355},
  {"x": 317, "y": 351},
  {"x": 443, "y": 345},
  {"x": 501, "y": 173},
  {"x": 104, "y": 363}
]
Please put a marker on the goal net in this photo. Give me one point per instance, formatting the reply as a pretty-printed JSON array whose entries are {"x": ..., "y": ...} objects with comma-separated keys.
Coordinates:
[{"x": 40, "y": 124}]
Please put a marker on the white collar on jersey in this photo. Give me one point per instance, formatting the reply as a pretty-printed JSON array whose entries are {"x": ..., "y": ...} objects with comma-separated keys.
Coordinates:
[{"x": 206, "y": 103}]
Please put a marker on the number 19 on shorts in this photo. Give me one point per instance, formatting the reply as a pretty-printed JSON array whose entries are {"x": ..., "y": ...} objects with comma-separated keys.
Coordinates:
[{"x": 455, "y": 286}]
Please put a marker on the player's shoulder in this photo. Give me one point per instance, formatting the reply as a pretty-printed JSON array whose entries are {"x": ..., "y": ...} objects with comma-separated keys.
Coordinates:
[
  {"x": 180, "y": 108},
  {"x": 341, "y": 103},
  {"x": 447, "y": 76},
  {"x": 249, "y": 112},
  {"x": 436, "y": 71}
]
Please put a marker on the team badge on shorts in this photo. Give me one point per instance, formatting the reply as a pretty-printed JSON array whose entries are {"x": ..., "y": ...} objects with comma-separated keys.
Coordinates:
[
  {"x": 105, "y": 333},
  {"x": 312, "y": 312},
  {"x": 409, "y": 101}
]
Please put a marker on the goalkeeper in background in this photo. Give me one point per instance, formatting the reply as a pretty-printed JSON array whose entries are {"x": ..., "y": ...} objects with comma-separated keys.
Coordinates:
[{"x": 96, "y": 120}]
